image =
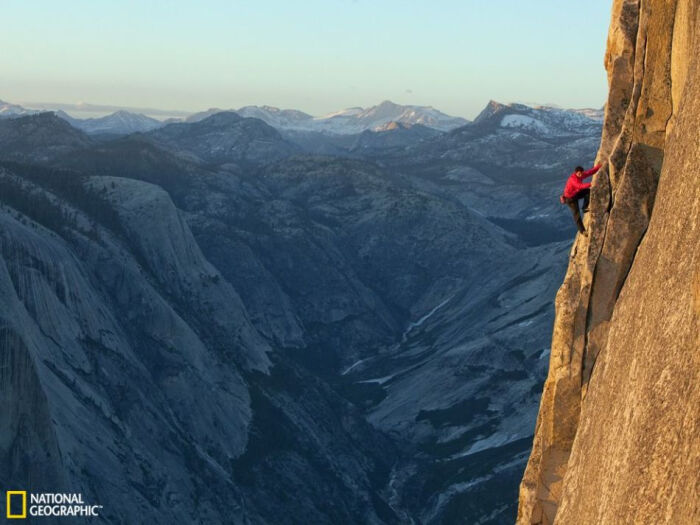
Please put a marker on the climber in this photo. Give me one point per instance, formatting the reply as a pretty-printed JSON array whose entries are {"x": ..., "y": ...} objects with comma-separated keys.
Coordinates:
[{"x": 576, "y": 189}]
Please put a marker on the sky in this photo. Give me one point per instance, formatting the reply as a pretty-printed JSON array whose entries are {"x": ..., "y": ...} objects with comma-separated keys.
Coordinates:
[{"x": 314, "y": 55}]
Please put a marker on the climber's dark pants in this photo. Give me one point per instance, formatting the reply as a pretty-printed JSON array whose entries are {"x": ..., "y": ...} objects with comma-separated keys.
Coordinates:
[{"x": 572, "y": 203}]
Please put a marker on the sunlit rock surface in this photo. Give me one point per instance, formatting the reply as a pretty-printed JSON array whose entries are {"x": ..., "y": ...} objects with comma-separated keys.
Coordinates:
[{"x": 616, "y": 437}]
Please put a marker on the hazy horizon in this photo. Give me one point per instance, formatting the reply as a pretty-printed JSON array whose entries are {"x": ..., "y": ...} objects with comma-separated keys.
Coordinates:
[
  {"x": 317, "y": 57},
  {"x": 84, "y": 109}
]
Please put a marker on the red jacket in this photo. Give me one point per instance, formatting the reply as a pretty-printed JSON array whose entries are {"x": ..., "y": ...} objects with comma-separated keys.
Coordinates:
[{"x": 576, "y": 184}]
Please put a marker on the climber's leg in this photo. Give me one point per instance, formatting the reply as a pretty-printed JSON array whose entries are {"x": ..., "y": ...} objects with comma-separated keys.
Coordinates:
[
  {"x": 573, "y": 206},
  {"x": 586, "y": 195}
]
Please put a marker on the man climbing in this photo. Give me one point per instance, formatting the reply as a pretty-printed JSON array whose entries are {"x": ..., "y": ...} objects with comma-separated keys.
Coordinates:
[{"x": 576, "y": 189}]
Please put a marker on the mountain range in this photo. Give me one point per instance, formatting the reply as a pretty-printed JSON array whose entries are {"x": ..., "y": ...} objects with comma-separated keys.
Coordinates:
[
  {"x": 249, "y": 328},
  {"x": 349, "y": 121},
  {"x": 117, "y": 123}
]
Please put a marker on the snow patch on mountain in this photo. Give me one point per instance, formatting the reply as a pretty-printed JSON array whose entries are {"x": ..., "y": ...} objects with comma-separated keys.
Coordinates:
[
  {"x": 423, "y": 319},
  {"x": 357, "y": 120},
  {"x": 347, "y": 112},
  {"x": 523, "y": 121},
  {"x": 542, "y": 122}
]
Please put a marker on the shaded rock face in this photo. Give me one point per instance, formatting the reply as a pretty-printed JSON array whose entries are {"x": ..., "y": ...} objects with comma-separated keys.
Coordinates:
[
  {"x": 89, "y": 339},
  {"x": 38, "y": 137},
  {"x": 616, "y": 438},
  {"x": 131, "y": 296},
  {"x": 226, "y": 137},
  {"x": 135, "y": 376}
]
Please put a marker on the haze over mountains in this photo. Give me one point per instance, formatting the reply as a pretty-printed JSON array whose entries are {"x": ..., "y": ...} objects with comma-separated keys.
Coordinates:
[
  {"x": 347, "y": 121},
  {"x": 120, "y": 122},
  {"x": 9, "y": 110},
  {"x": 240, "y": 312}
]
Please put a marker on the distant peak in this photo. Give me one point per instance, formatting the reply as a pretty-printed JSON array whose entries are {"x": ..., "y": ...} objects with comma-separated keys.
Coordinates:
[
  {"x": 521, "y": 107},
  {"x": 48, "y": 119},
  {"x": 494, "y": 107},
  {"x": 494, "y": 104},
  {"x": 222, "y": 117},
  {"x": 491, "y": 109}
]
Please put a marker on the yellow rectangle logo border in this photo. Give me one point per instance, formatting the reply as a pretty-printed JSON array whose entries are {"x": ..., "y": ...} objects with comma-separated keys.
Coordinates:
[{"x": 22, "y": 493}]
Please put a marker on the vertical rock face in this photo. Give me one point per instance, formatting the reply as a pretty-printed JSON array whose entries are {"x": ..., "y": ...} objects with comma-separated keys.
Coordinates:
[{"x": 616, "y": 437}]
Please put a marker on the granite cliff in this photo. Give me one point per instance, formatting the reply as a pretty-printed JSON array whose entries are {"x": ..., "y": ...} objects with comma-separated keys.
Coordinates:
[{"x": 617, "y": 433}]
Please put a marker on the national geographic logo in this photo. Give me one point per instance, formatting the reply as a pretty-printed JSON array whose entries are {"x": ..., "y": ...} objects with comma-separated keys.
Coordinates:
[
  {"x": 48, "y": 504},
  {"x": 12, "y": 497}
]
